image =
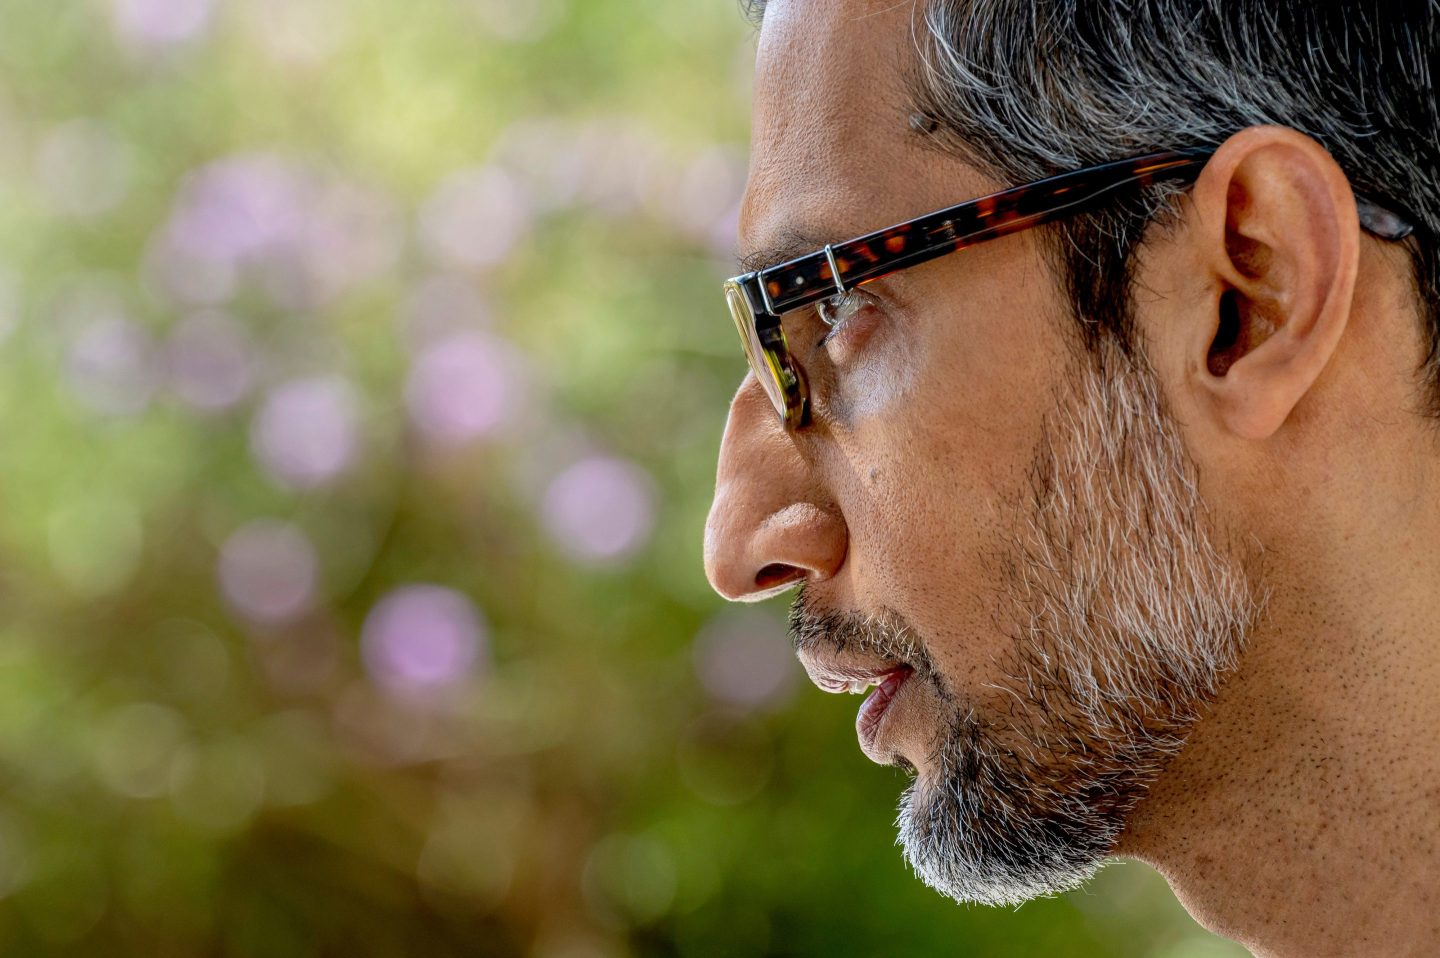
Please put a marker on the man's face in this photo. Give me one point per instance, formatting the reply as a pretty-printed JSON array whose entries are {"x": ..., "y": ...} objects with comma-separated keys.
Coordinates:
[{"x": 997, "y": 527}]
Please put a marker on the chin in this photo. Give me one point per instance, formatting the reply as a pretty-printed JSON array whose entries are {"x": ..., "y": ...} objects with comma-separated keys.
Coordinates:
[{"x": 976, "y": 827}]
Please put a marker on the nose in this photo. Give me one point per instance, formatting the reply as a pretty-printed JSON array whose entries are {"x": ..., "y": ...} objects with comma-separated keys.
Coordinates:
[{"x": 771, "y": 525}]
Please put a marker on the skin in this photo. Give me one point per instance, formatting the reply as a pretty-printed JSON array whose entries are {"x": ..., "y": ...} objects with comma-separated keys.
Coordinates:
[{"x": 1301, "y": 816}]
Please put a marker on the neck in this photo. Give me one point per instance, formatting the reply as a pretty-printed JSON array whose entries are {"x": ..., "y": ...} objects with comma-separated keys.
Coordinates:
[{"x": 1303, "y": 816}]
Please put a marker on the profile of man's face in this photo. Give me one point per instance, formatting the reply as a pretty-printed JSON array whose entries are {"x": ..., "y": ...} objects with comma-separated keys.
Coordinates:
[{"x": 997, "y": 529}]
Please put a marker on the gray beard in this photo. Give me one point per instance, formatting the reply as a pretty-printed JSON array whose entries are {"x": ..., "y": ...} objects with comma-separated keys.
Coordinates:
[{"x": 1124, "y": 618}]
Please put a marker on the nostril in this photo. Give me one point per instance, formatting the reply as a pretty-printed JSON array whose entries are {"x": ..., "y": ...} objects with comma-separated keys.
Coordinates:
[{"x": 776, "y": 574}]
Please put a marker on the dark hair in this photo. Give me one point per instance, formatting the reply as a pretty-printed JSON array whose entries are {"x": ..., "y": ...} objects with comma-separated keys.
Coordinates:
[{"x": 1026, "y": 88}]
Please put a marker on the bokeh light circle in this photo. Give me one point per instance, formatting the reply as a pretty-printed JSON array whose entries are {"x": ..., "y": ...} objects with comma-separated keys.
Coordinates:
[
  {"x": 600, "y": 509},
  {"x": 110, "y": 365},
  {"x": 83, "y": 168},
  {"x": 463, "y": 387},
  {"x": 135, "y": 747},
  {"x": 307, "y": 431},
  {"x": 475, "y": 217},
  {"x": 744, "y": 659},
  {"x": 209, "y": 360},
  {"x": 422, "y": 637},
  {"x": 237, "y": 207},
  {"x": 154, "y": 24},
  {"x": 268, "y": 572}
]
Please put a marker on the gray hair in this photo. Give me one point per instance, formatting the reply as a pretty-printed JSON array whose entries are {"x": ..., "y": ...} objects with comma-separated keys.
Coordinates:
[
  {"x": 1026, "y": 88},
  {"x": 1126, "y": 608},
  {"x": 1129, "y": 608}
]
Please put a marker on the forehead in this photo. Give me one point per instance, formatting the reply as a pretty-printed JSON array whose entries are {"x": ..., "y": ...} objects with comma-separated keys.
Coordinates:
[{"x": 832, "y": 151}]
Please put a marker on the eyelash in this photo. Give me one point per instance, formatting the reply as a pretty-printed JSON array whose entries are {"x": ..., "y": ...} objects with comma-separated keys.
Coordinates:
[{"x": 852, "y": 300}]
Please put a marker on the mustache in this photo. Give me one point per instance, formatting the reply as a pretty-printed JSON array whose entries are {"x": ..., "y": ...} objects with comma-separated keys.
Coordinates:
[{"x": 886, "y": 635}]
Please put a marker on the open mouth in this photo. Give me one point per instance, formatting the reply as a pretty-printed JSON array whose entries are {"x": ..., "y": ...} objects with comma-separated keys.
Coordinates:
[
  {"x": 877, "y": 704},
  {"x": 857, "y": 674}
]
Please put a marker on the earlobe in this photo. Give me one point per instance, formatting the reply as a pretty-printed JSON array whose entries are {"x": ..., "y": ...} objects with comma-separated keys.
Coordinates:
[{"x": 1280, "y": 239}]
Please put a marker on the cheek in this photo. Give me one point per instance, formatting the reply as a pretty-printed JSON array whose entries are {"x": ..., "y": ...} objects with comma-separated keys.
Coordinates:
[
  {"x": 932, "y": 478},
  {"x": 878, "y": 387},
  {"x": 879, "y": 373},
  {"x": 923, "y": 507}
]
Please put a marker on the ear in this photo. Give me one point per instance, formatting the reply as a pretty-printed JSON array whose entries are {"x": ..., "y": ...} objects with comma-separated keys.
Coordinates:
[{"x": 1278, "y": 242}]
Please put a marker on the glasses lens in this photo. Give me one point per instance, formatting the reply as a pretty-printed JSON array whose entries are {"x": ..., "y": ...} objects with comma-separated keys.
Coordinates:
[{"x": 764, "y": 368}]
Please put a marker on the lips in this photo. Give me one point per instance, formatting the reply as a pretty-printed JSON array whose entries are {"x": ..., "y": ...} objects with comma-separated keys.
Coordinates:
[
  {"x": 873, "y": 709},
  {"x": 839, "y": 679},
  {"x": 851, "y": 673}
]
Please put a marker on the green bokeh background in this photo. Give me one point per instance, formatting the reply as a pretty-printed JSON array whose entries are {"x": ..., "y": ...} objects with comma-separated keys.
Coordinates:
[{"x": 183, "y": 778}]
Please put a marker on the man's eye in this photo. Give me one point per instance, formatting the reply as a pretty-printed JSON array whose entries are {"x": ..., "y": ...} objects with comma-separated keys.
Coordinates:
[{"x": 838, "y": 309}]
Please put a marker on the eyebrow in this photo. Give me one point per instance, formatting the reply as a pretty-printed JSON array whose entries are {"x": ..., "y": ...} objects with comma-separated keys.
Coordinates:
[{"x": 792, "y": 243}]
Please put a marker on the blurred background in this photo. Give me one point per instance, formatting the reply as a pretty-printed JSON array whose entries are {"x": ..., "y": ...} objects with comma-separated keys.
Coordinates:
[{"x": 362, "y": 368}]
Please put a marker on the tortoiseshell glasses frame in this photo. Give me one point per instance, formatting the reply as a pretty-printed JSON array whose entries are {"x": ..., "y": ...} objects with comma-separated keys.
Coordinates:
[{"x": 758, "y": 299}]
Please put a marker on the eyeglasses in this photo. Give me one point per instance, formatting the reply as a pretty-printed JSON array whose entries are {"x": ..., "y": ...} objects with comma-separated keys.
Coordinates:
[{"x": 758, "y": 299}]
